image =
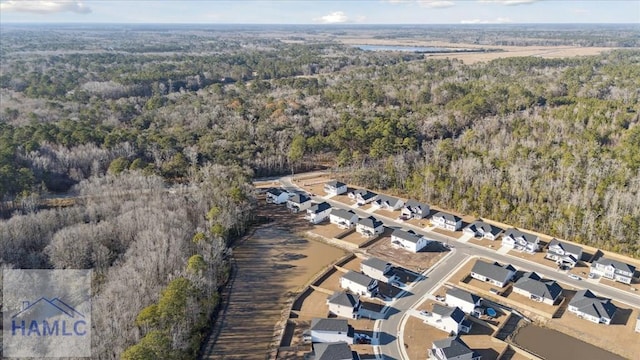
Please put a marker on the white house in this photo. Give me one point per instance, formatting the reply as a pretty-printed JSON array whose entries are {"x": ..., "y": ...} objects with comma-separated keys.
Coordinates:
[
  {"x": 385, "y": 202},
  {"x": 276, "y": 196},
  {"x": 359, "y": 284},
  {"x": 369, "y": 226},
  {"x": 520, "y": 240},
  {"x": 331, "y": 330},
  {"x": 613, "y": 269},
  {"x": 448, "y": 319},
  {"x": 563, "y": 253},
  {"x": 447, "y": 221},
  {"x": 413, "y": 209},
  {"x": 638, "y": 324},
  {"x": 318, "y": 213},
  {"x": 376, "y": 268},
  {"x": 298, "y": 202},
  {"x": 344, "y": 304},
  {"x": 362, "y": 196},
  {"x": 493, "y": 273},
  {"x": 335, "y": 188},
  {"x": 332, "y": 351},
  {"x": 466, "y": 301},
  {"x": 483, "y": 230},
  {"x": 370, "y": 310},
  {"x": 452, "y": 348},
  {"x": 535, "y": 288},
  {"x": 590, "y": 307},
  {"x": 345, "y": 219},
  {"x": 408, "y": 240}
]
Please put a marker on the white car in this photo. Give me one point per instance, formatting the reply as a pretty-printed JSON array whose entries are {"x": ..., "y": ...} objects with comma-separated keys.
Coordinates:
[{"x": 575, "y": 277}]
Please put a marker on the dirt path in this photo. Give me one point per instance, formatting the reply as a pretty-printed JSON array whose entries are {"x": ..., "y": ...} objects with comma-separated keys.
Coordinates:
[{"x": 271, "y": 265}]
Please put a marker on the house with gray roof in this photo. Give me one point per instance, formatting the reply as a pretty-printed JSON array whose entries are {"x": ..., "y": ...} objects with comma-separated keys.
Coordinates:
[
  {"x": 521, "y": 241},
  {"x": 452, "y": 348},
  {"x": 376, "y": 268},
  {"x": 537, "y": 289},
  {"x": 362, "y": 196},
  {"x": 331, "y": 330},
  {"x": 483, "y": 230},
  {"x": 564, "y": 253},
  {"x": 345, "y": 219},
  {"x": 369, "y": 226},
  {"x": 344, "y": 304},
  {"x": 359, "y": 284},
  {"x": 465, "y": 300},
  {"x": 276, "y": 196},
  {"x": 448, "y": 319},
  {"x": 298, "y": 202},
  {"x": 318, "y": 213},
  {"x": 493, "y": 273},
  {"x": 408, "y": 240},
  {"x": 414, "y": 209},
  {"x": 332, "y": 351},
  {"x": 447, "y": 221},
  {"x": 613, "y": 269},
  {"x": 387, "y": 203},
  {"x": 335, "y": 187},
  {"x": 595, "y": 309},
  {"x": 371, "y": 310}
]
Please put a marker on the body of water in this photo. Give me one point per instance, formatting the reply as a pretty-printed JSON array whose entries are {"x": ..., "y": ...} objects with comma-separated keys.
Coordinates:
[{"x": 414, "y": 49}]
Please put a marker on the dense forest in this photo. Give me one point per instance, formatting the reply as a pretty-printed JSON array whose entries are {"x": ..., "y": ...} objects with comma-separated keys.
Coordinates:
[{"x": 157, "y": 134}]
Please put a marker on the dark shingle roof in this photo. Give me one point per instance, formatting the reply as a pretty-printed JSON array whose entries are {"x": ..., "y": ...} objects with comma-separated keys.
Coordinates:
[
  {"x": 299, "y": 198},
  {"x": 318, "y": 208},
  {"x": 343, "y": 214},
  {"x": 275, "y": 191},
  {"x": 406, "y": 235},
  {"x": 515, "y": 233},
  {"x": 533, "y": 284},
  {"x": 332, "y": 351},
  {"x": 454, "y": 348},
  {"x": 366, "y": 195},
  {"x": 492, "y": 271},
  {"x": 446, "y": 216},
  {"x": 358, "y": 278},
  {"x": 463, "y": 295},
  {"x": 618, "y": 265},
  {"x": 483, "y": 227},
  {"x": 376, "y": 263},
  {"x": 389, "y": 199},
  {"x": 373, "y": 307},
  {"x": 588, "y": 303},
  {"x": 567, "y": 247},
  {"x": 414, "y": 205},
  {"x": 337, "y": 325},
  {"x": 335, "y": 184},
  {"x": 343, "y": 298},
  {"x": 370, "y": 222},
  {"x": 453, "y": 312}
]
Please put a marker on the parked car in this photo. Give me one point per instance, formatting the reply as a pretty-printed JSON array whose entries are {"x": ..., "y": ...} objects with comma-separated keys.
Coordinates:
[
  {"x": 575, "y": 277},
  {"x": 495, "y": 291},
  {"x": 592, "y": 275},
  {"x": 425, "y": 313},
  {"x": 440, "y": 297}
]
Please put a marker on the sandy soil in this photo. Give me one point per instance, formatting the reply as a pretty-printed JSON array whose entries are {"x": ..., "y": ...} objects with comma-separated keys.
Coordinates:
[
  {"x": 327, "y": 230},
  {"x": 412, "y": 261},
  {"x": 480, "y": 340},
  {"x": 418, "y": 337},
  {"x": 332, "y": 283},
  {"x": 353, "y": 264}
]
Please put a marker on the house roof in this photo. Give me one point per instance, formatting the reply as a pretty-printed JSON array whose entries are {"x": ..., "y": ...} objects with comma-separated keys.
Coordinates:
[
  {"x": 376, "y": 263},
  {"x": 337, "y": 325},
  {"x": 463, "y": 295},
  {"x": 370, "y": 222},
  {"x": 343, "y": 299},
  {"x": 335, "y": 184},
  {"x": 588, "y": 303},
  {"x": 446, "y": 216},
  {"x": 415, "y": 205},
  {"x": 493, "y": 271},
  {"x": 533, "y": 284},
  {"x": 446, "y": 311},
  {"x": 318, "y": 208},
  {"x": 366, "y": 194},
  {"x": 567, "y": 247},
  {"x": 618, "y": 265},
  {"x": 454, "y": 348},
  {"x": 515, "y": 233},
  {"x": 373, "y": 307},
  {"x": 406, "y": 235},
  {"x": 299, "y": 198},
  {"x": 342, "y": 214},
  {"x": 483, "y": 227},
  {"x": 275, "y": 191},
  {"x": 388, "y": 199},
  {"x": 332, "y": 351},
  {"x": 358, "y": 278}
]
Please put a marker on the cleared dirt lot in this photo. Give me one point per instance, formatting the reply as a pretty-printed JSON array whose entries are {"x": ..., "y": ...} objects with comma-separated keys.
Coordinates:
[
  {"x": 418, "y": 337},
  {"x": 413, "y": 261}
]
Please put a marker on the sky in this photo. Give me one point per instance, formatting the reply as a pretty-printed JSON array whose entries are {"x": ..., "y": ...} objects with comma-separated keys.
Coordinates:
[{"x": 321, "y": 11}]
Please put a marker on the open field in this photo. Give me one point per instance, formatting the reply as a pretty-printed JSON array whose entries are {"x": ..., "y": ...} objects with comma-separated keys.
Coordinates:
[
  {"x": 383, "y": 249},
  {"x": 327, "y": 230},
  {"x": 418, "y": 337}
]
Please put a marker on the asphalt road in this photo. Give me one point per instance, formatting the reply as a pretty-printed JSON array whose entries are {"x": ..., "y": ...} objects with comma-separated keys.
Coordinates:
[{"x": 390, "y": 337}]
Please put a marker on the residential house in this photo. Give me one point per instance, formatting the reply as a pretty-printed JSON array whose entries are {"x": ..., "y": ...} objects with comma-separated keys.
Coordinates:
[
  {"x": 447, "y": 221},
  {"x": 564, "y": 253},
  {"x": 588, "y": 306},
  {"x": 362, "y": 196},
  {"x": 448, "y": 319},
  {"x": 332, "y": 351},
  {"x": 413, "y": 209},
  {"x": 318, "y": 213},
  {"x": 276, "y": 196},
  {"x": 613, "y": 269},
  {"x": 331, "y": 330},
  {"x": 358, "y": 283},
  {"x": 345, "y": 219},
  {"x": 369, "y": 226},
  {"x": 483, "y": 230},
  {"x": 370, "y": 310},
  {"x": 493, "y": 273},
  {"x": 520, "y": 240},
  {"x": 535, "y": 288},
  {"x": 335, "y": 188},
  {"x": 376, "y": 268},
  {"x": 464, "y": 300},
  {"x": 408, "y": 240},
  {"x": 385, "y": 202},
  {"x": 344, "y": 304},
  {"x": 452, "y": 348},
  {"x": 298, "y": 202}
]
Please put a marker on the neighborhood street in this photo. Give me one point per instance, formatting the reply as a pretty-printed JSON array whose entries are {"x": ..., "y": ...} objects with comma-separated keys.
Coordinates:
[{"x": 390, "y": 329}]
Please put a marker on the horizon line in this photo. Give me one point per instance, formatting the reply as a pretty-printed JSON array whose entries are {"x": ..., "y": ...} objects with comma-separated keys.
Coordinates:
[{"x": 309, "y": 24}]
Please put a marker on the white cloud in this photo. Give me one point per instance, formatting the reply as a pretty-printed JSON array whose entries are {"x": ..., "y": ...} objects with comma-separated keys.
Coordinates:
[
  {"x": 508, "y": 2},
  {"x": 335, "y": 17},
  {"x": 499, "y": 20},
  {"x": 439, "y": 4},
  {"x": 45, "y": 6}
]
